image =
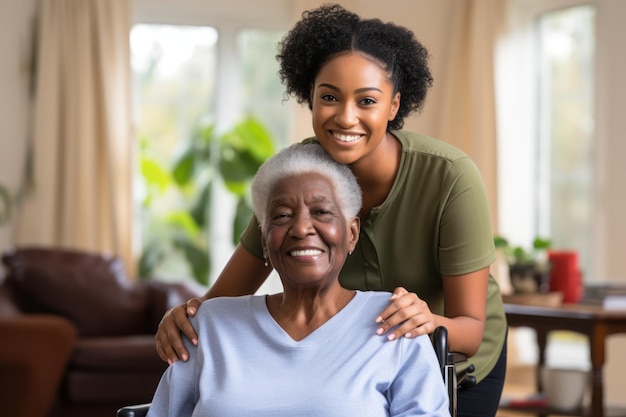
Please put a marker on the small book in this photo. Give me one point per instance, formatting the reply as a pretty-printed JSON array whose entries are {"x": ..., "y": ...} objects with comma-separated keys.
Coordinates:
[{"x": 610, "y": 295}]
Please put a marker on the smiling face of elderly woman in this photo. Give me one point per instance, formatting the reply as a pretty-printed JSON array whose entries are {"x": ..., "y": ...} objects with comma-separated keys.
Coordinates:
[{"x": 306, "y": 234}]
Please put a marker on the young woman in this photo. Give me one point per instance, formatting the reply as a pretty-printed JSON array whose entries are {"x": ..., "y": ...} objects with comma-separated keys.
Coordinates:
[
  {"x": 424, "y": 222},
  {"x": 280, "y": 355}
]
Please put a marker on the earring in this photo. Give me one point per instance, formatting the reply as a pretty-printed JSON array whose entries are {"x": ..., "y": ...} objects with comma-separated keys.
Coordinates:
[{"x": 265, "y": 256}]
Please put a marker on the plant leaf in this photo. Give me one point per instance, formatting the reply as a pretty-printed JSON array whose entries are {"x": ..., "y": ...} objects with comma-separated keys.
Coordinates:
[
  {"x": 500, "y": 242},
  {"x": 542, "y": 243},
  {"x": 237, "y": 166},
  {"x": 151, "y": 256},
  {"x": 242, "y": 218},
  {"x": 205, "y": 138},
  {"x": 243, "y": 149},
  {"x": 255, "y": 139},
  {"x": 5, "y": 205},
  {"x": 154, "y": 174},
  {"x": 522, "y": 257},
  {"x": 183, "y": 220},
  {"x": 201, "y": 209},
  {"x": 197, "y": 257},
  {"x": 184, "y": 165}
]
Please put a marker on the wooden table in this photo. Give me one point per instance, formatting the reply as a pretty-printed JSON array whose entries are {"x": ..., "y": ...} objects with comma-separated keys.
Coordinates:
[{"x": 593, "y": 321}]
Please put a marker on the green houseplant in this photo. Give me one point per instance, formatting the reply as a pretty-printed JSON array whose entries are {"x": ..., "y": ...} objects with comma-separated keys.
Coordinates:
[
  {"x": 5, "y": 204},
  {"x": 529, "y": 269},
  {"x": 233, "y": 158}
]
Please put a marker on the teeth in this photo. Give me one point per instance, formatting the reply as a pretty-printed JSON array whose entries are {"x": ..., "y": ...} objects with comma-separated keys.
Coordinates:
[
  {"x": 347, "y": 138},
  {"x": 306, "y": 252}
]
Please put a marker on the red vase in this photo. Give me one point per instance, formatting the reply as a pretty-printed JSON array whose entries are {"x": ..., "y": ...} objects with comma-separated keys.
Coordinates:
[{"x": 565, "y": 276}]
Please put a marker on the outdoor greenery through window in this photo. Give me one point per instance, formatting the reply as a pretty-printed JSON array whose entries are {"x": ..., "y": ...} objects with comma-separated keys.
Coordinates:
[
  {"x": 193, "y": 174},
  {"x": 566, "y": 126}
]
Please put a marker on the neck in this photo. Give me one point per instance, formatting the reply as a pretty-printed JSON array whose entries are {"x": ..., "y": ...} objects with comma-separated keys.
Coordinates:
[
  {"x": 376, "y": 172},
  {"x": 300, "y": 311}
]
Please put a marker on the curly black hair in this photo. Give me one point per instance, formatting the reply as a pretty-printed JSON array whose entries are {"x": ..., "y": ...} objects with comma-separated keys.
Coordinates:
[{"x": 329, "y": 30}]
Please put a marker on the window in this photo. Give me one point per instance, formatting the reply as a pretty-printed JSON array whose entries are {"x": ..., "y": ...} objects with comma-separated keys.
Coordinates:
[
  {"x": 191, "y": 85},
  {"x": 566, "y": 126},
  {"x": 546, "y": 126}
]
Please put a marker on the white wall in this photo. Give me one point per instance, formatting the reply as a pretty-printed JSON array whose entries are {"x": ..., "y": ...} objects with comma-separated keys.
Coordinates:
[{"x": 610, "y": 237}]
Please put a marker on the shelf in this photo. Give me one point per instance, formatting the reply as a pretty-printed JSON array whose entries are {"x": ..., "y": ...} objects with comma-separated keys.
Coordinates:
[{"x": 551, "y": 299}]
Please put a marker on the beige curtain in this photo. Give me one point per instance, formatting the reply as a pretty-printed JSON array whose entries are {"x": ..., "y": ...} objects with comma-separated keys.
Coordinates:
[
  {"x": 466, "y": 116},
  {"x": 81, "y": 147}
]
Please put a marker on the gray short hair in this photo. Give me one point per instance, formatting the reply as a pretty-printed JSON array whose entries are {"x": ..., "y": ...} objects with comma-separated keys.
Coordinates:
[{"x": 300, "y": 158}]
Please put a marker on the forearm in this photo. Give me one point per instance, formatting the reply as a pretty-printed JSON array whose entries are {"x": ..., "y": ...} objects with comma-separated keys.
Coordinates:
[
  {"x": 242, "y": 275},
  {"x": 465, "y": 310},
  {"x": 464, "y": 333}
]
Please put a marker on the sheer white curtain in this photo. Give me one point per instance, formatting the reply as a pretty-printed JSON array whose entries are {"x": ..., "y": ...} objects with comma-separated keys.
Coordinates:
[{"x": 82, "y": 143}]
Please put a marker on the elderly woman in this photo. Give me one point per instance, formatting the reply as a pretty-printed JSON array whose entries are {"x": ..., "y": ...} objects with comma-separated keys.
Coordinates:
[{"x": 309, "y": 350}]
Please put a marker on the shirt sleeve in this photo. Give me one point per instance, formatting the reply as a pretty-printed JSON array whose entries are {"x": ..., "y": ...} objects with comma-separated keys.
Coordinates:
[
  {"x": 466, "y": 241},
  {"x": 418, "y": 389},
  {"x": 176, "y": 394},
  {"x": 250, "y": 239}
]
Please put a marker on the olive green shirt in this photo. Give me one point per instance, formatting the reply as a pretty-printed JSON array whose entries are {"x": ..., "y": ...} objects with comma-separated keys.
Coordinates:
[{"x": 434, "y": 222}]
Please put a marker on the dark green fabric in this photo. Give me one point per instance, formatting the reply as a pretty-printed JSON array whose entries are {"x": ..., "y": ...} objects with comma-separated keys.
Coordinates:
[{"x": 434, "y": 222}]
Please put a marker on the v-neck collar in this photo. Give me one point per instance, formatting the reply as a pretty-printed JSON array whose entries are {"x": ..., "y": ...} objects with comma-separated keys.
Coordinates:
[{"x": 316, "y": 337}]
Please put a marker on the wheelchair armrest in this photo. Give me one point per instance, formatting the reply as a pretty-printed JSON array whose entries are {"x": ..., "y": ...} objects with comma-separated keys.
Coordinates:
[
  {"x": 134, "y": 410},
  {"x": 463, "y": 378},
  {"x": 440, "y": 342},
  {"x": 458, "y": 357}
]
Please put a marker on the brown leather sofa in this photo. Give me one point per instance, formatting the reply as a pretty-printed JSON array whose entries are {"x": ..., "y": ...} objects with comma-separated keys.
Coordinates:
[{"x": 76, "y": 334}]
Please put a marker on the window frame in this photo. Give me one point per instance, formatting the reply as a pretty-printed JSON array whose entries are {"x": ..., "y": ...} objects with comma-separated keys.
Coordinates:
[
  {"x": 229, "y": 19},
  {"x": 517, "y": 97}
]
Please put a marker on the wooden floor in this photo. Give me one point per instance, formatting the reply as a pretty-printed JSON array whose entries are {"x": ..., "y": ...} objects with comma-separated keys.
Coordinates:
[
  {"x": 520, "y": 383},
  {"x": 564, "y": 350},
  {"x": 520, "y": 376}
]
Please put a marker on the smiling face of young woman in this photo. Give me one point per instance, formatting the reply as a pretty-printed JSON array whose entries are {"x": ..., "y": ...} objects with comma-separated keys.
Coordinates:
[
  {"x": 306, "y": 234},
  {"x": 352, "y": 102}
]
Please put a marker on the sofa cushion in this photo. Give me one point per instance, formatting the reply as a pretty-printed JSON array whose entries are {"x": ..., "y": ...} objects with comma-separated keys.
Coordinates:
[
  {"x": 7, "y": 301},
  {"x": 90, "y": 290},
  {"x": 117, "y": 354},
  {"x": 124, "y": 370},
  {"x": 119, "y": 388}
]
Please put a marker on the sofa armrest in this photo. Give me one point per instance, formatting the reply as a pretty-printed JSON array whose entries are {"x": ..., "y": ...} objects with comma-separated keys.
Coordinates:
[
  {"x": 34, "y": 354},
  {"x": 164, "y": 296}
]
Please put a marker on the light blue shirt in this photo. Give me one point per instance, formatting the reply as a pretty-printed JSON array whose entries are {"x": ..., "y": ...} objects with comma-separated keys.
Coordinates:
[{"x": 247, "y": 365}]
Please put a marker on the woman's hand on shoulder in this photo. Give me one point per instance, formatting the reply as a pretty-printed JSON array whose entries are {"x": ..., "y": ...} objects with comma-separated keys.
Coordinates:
[
  {"x": 243, "y": 274},
  {"x": 407, "y": 311},
  {"x": 169, "y": 343}
]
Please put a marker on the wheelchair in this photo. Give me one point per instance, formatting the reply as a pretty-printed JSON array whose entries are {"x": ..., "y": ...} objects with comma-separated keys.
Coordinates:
[{"x": 448, "y": 361}]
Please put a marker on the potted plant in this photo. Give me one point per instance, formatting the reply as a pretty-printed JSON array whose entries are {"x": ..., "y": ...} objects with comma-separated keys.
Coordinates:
[
  {"x": 181, "y": 232},
  {"x": 529, "y": 270}
]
